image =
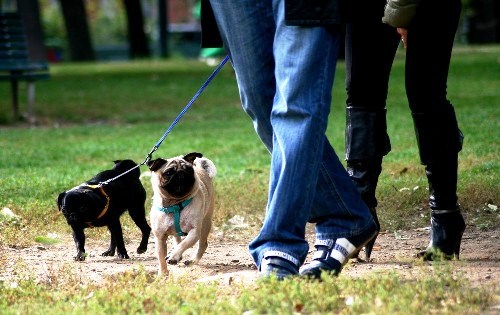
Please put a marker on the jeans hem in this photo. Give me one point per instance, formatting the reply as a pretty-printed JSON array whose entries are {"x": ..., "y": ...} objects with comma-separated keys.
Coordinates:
[{"x": 347, "y": 234}]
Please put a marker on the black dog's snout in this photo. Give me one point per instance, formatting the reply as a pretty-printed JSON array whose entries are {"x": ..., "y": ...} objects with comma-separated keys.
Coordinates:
[{"x": 64, "y": 209}]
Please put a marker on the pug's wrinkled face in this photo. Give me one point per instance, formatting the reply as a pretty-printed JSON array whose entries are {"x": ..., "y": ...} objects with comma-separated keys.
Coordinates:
[{"x": 175, "y": 177}]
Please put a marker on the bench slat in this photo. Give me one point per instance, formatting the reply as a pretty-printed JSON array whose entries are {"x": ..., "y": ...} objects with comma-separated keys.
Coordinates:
[
  {"x": 25, "y": 76},
  {"x": 15, "y": 64},
  {"x": 23, "y": 65}
]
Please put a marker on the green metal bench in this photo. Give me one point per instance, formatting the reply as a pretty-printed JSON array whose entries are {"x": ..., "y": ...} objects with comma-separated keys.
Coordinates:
[{"x": 15, "y": 63}]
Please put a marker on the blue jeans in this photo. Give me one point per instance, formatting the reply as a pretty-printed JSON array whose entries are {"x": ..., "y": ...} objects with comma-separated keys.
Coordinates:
[{"x": 285, "y": 76}]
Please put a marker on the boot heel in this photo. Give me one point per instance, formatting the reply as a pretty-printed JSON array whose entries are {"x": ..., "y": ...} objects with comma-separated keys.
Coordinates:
[
  {"x": 369, "y": 248},
  {"x": 370, "y": 244},
  {"x": 456, "y": 252}
]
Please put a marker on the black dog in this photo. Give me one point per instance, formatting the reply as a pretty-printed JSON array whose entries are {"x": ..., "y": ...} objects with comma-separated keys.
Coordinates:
[{"x": 91, "y": 204}]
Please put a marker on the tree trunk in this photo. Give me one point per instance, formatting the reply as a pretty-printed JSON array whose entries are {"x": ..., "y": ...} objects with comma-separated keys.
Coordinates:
[
  {"x": 135, "y": 23},
  {"x": 75, "y": 19},
  {"x": 30, "y": 13}
]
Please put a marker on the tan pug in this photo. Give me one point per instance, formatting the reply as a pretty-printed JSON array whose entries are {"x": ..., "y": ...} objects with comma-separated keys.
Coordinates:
[{"x": 183, "y": 205}]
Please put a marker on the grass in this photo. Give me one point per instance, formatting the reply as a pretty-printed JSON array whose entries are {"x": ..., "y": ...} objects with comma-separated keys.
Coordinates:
[
  {"x": 438, "y": 290},
  {"x": 92, "y": 114}
]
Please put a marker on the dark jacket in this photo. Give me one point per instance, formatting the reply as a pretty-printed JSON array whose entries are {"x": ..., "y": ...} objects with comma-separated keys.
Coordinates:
[{"x": 297, "y": 13}]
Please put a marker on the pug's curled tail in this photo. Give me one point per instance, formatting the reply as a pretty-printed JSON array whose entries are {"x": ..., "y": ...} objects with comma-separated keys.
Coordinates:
[{"x": 207, "y": 165}]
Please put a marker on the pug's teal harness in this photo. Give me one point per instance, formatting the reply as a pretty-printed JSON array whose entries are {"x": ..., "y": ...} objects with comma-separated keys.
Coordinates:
[{"x": 176, "y": 210}]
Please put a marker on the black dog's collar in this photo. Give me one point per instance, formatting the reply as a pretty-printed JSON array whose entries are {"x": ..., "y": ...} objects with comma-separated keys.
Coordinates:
[{"x": 106, "y": 207}]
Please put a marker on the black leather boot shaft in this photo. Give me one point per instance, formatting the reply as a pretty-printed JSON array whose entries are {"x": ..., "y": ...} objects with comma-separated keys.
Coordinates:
[
  {"x": 366, "y": 144},
  {"x": 438, "y": 137},
  {"x": 366, "y": 134},
  {"x": 439, "y": 141},
  {"x": 442, "y": 179},
  {"x": 365, "y": 175}
]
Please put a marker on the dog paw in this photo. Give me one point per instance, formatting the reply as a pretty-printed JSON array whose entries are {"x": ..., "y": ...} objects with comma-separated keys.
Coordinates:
[
  {"x": 108, "y": 253},
  {"x": 172, "y": 261},
  {"x": 123, "y": 256},
  {"x": 141, "y": 250},
  {"x": 80, "y": 256}
]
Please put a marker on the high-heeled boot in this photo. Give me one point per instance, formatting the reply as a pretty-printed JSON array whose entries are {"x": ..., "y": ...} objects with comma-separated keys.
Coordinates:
[
  {"x": 447, "y": 223},
  {"x": 447, "y": 228},
  {"x": 439, "y": 140},
  {"x": 366, "y": 144},
  {"x": 365, "y": 174}
]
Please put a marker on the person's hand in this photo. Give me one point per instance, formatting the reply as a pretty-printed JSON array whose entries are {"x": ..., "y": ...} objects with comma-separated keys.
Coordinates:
[{"x": 404, "y": 35}]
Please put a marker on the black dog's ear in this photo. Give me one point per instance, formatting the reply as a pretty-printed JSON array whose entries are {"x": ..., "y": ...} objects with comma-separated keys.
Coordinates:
[
  {"x": 60, "y": 200},
  {"x": 155, "y": 165},
  {"x": 190, "y": 157}
]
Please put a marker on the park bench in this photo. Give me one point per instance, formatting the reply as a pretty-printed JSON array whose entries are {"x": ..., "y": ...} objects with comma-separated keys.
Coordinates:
[{"x": 15, "y": 63}]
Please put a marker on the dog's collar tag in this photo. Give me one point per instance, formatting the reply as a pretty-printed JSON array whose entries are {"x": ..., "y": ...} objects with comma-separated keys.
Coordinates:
[{"x": 176, "y": 210}]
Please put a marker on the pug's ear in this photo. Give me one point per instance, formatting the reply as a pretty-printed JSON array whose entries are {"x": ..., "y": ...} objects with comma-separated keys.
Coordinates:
[
  {"x": 155, "y": 165},
  {"x": 190, "y": 157},
  {"x": 60, "y": 200}
]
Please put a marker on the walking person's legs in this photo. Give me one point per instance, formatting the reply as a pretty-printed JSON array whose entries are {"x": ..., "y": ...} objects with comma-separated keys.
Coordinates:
[
  {"x": 370, "y": 49},
  {"x": 300, "y": 72},
  {"x": 438, "y": 136}
]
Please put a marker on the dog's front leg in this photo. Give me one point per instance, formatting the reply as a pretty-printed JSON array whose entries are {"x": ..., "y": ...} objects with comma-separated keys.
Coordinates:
[
  {"x": 177, "y": 240},
  {"x": 161, "y": 251},
  {"x": 115, "y": 228},
  {"x": 188, "y": 242},
  {"x": 79, "y": 238},
  {"x": 112, "y": 246}
]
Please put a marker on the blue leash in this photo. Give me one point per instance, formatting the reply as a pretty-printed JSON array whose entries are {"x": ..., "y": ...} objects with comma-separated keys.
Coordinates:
[{"x": 176, "y": 120}]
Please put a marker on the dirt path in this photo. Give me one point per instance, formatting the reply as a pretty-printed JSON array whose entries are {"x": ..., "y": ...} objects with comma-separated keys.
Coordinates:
[{"x": 227, "y": 259}]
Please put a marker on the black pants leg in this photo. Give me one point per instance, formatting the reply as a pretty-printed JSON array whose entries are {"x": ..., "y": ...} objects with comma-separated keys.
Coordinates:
[
  {"x": 430, "y": 42},
  {"x": 370, "y": 49}
]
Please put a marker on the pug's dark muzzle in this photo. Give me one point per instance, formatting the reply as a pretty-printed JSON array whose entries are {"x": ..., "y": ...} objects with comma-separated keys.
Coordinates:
[{"x": 178, "y": 183}]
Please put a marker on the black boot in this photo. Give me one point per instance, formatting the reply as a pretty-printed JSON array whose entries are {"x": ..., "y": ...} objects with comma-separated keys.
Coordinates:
[
  {"x": 366, "y": 144},
  {"x": 447, "y": 228},
  {"x": 438, "y": 137},
  {"x": 448, "y": 225},
  {"x": 439, "y": 140},
  {"x": 370, "y": 244},
  {"x": 365, "y": 177}
]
